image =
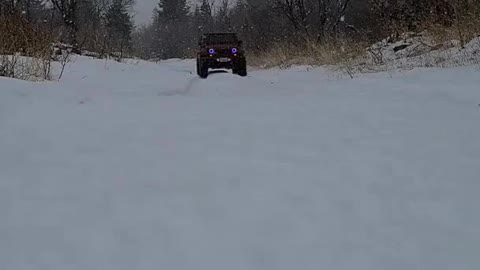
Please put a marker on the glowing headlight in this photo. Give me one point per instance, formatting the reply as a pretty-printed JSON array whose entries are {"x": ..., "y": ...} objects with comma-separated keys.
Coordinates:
[
  {"x": 211, "y": 51},
  {"x": 234, "y": 50}
]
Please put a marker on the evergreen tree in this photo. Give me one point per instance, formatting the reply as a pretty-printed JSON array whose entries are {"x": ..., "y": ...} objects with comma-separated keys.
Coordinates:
[
  {"x": 222, "y": 17},
  {"x": 205, "y": 18},
  {"x": 171, "y": 29},
  {"x": 68, "y": 11},
  {"x": 6, "y": 7},
  {"x": 119, "y": 26},
  {"x": 32, "y": 10},
  {"x": 171, "y": 11}
]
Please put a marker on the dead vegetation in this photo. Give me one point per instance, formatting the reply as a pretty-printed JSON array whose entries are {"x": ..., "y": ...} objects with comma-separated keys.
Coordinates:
[
  {"x": 437, "y": 46},
  {"x": 25, "y": 50},
  {"x": 311, "y": 54},
  {"x": 426, "y": 33}
]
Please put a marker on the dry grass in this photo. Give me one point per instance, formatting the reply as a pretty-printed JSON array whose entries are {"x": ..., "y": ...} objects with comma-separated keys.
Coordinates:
[
  {"x": 461, "y": 31},
  {"x": 285, "y": 56},
  {"x": 25, "y": 50},
  {"x": 437, "y": 46}
]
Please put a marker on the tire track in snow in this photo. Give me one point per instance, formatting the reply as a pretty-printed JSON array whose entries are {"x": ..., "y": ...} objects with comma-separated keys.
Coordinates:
[
  {"x": 195, "y": 83},
  {"x": 181, "y": 91},
  {"x": 187, "y": 90}
]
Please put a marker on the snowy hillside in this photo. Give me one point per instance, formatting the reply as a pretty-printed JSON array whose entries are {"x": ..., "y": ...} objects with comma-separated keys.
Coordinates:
[{"x": 144, "y": 166}]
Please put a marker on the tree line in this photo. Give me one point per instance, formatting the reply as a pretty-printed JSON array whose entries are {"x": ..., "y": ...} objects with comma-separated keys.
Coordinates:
[
  {"x": 107, "y": 27},
  {"x": 295, "y": 23},
  {"x": 102, "y": 26}
]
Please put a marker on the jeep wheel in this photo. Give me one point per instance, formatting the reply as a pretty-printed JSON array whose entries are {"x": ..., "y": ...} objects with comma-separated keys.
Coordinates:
[
  {"x": 198, "y": 67},
  {"x": 242, "y": 72},
  {"x": 202, "y": 69},
  {"x": 240, "y": 67}
]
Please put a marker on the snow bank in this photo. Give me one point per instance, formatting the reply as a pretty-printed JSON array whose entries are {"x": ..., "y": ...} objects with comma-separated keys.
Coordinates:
[
  {"x": 144, "y": 166},
  {"x": 420, "y": 50},
  {"x": 23, "y": 67}
]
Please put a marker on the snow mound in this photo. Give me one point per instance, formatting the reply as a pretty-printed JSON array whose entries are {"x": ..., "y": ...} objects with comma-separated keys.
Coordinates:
[{"x": 420, "y": 50}]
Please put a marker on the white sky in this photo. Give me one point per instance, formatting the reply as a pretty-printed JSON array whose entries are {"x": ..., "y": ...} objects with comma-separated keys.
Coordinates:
[{"x": 144, "y": 9}]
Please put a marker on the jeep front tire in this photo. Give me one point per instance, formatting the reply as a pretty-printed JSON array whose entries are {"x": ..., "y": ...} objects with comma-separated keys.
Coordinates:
[
  {"x": 240, "y": 67},
  {"x": 202, "y": 68}
]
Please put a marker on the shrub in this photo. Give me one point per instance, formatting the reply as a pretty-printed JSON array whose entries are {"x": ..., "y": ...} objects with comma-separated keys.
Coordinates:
[{"x": 25, "y": 49}]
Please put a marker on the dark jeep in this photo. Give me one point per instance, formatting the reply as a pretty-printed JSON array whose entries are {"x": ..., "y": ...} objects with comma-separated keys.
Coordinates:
[{"x": 221, "y": 50}]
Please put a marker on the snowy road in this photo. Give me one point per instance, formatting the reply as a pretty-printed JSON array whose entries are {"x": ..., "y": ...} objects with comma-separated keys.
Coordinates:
[{"x": 144, "y": 166}]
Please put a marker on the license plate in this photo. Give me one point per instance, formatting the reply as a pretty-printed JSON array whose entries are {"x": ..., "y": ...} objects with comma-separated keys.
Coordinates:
[{"x": 223, "y": 60}]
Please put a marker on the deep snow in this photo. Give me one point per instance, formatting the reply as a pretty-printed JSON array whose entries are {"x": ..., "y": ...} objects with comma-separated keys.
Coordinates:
[{"x": 144, "y": 166}]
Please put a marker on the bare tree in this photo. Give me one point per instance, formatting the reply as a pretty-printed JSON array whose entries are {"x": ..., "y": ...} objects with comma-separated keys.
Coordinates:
[
  {"x": 68, "y": 13},
  {"x": 314, "y": 19}
]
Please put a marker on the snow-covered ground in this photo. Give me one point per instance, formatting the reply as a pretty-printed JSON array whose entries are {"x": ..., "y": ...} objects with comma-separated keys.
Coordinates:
[
  {"x": 419, "y": 50},
  {"x": 145, "y": 166}
]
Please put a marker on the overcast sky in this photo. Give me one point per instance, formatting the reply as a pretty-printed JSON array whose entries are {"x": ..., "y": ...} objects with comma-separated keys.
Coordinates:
[{"x": 144, "y": 8}]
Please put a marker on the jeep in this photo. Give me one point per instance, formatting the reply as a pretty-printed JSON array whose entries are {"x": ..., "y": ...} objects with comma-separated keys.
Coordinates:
[{"x": 221, "y": 51}]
